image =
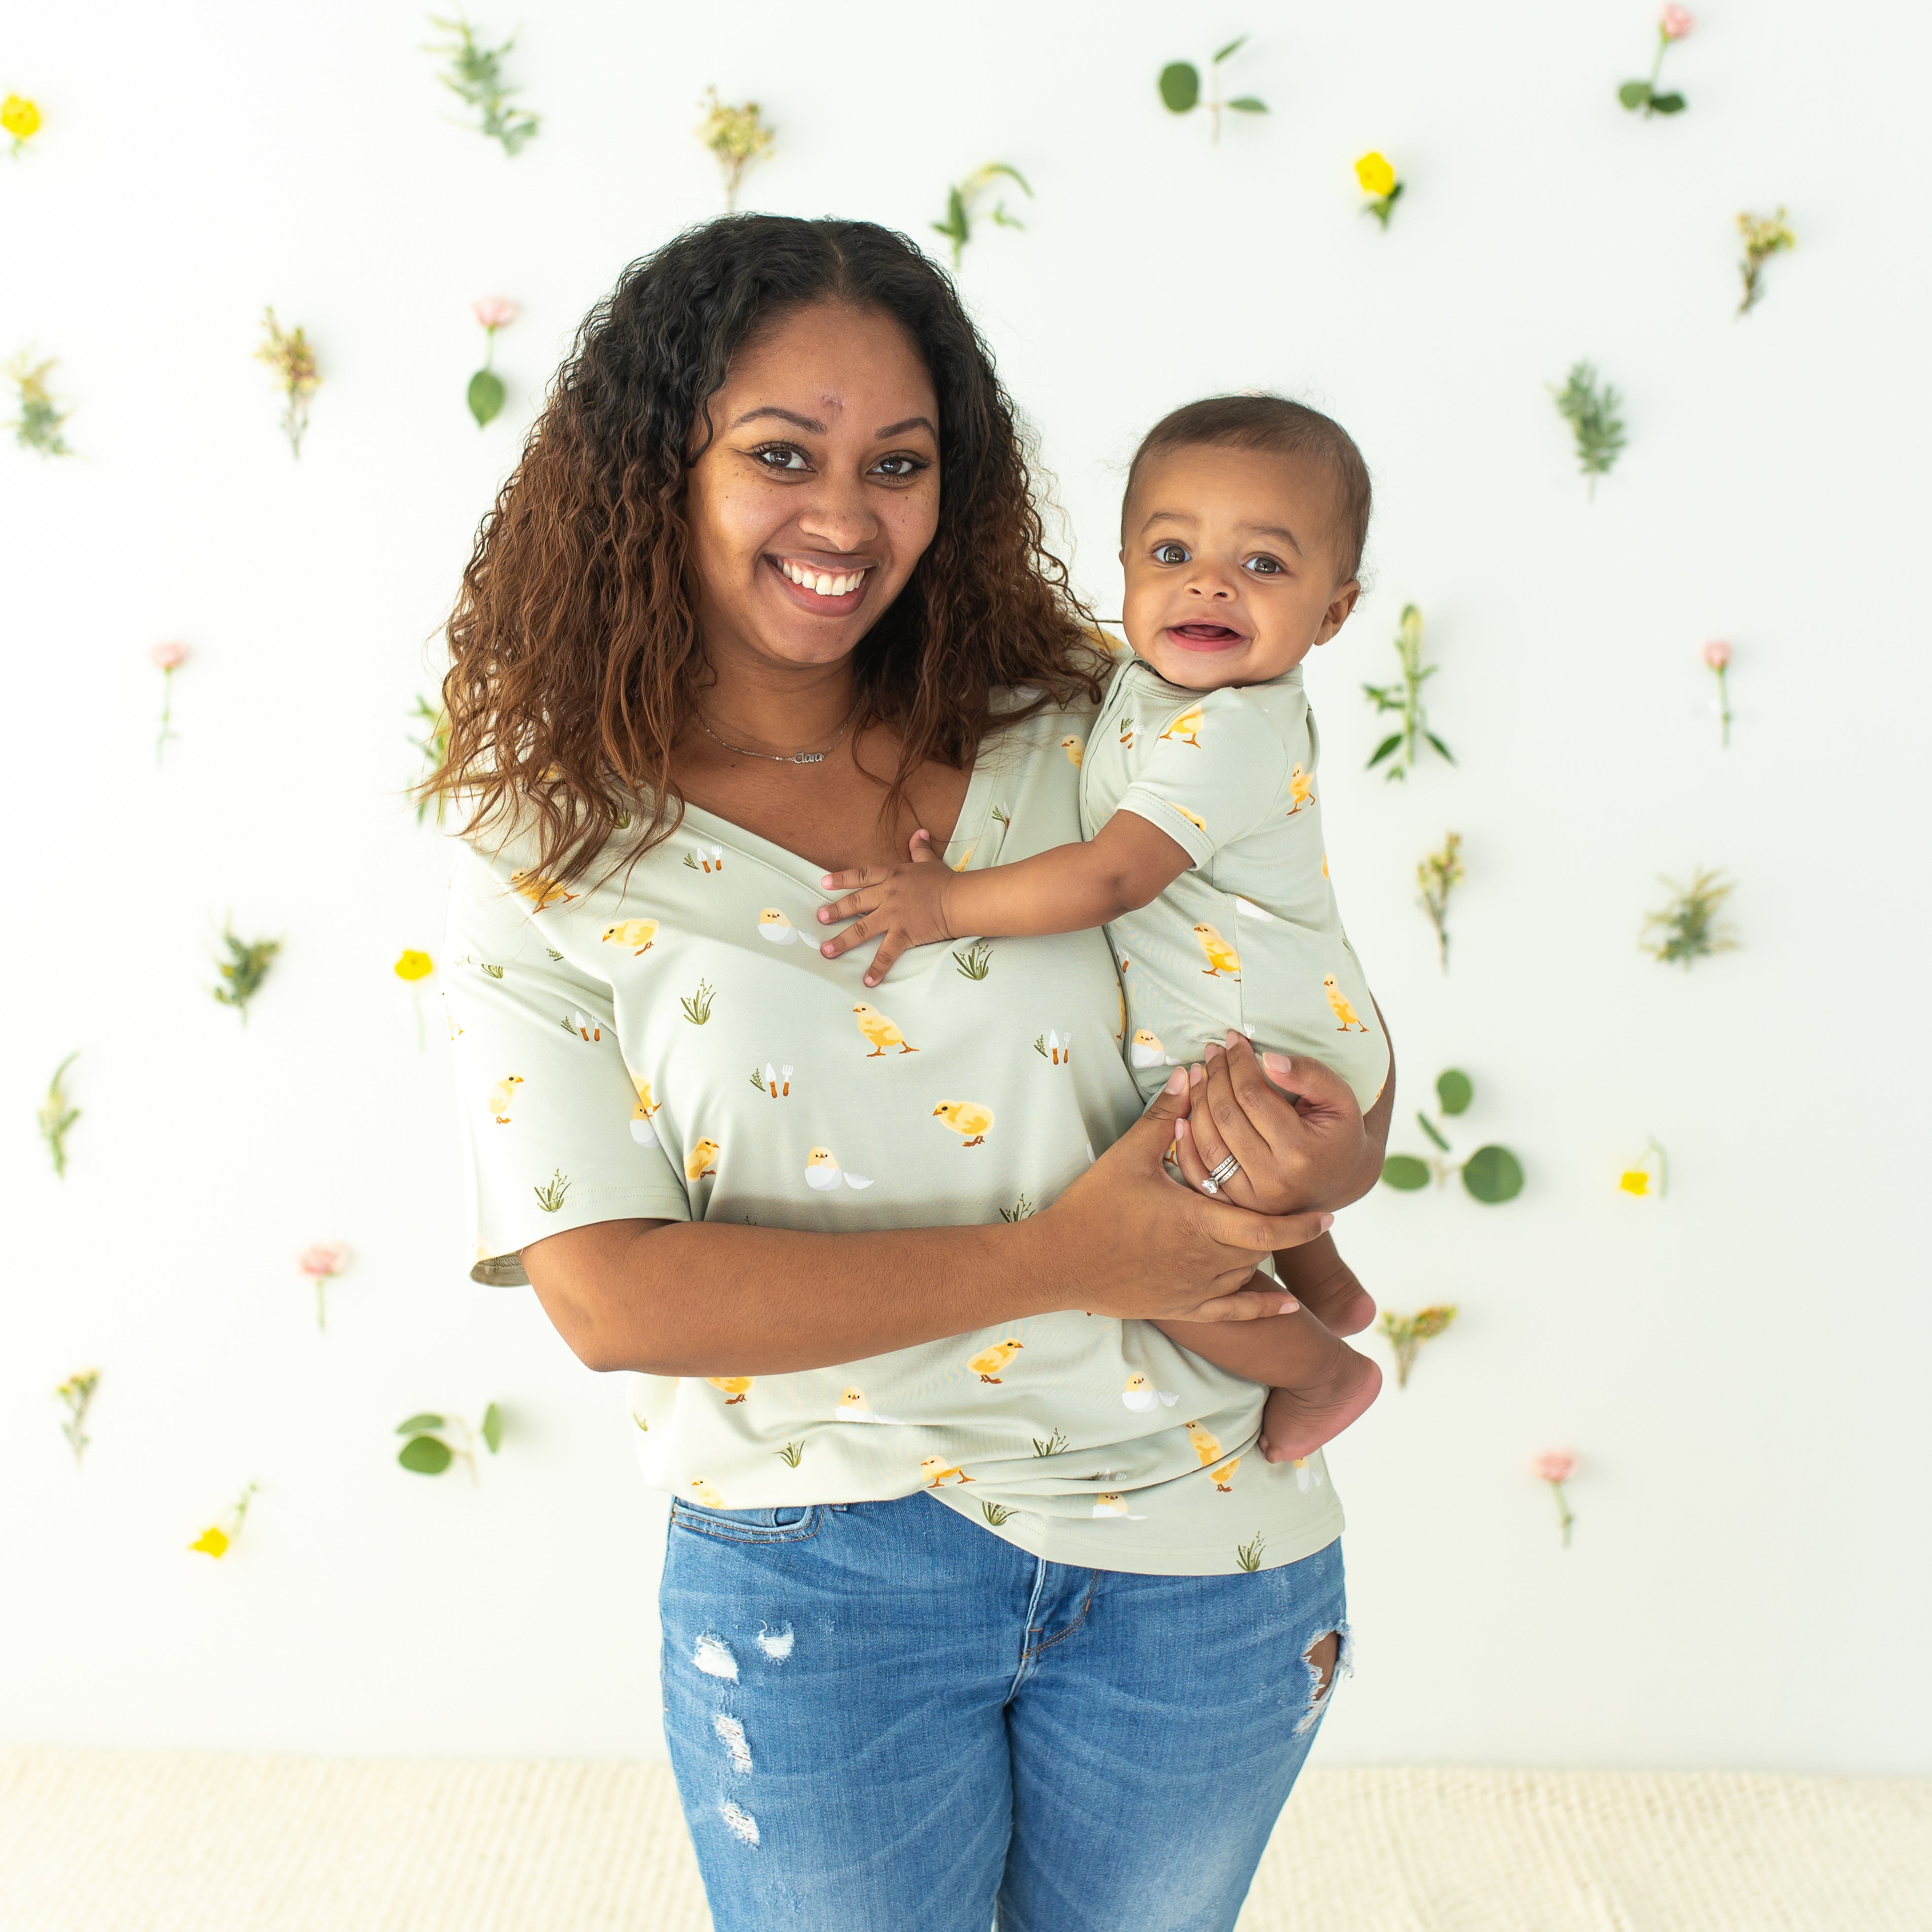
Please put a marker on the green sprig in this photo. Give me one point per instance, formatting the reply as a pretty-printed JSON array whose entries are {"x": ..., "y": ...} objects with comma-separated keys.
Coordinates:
[
  {"x": 1179, "y": 85},
  {"x": 475, "y": 77},
  {"x": 962, "y": 204},
  {"x": 1591, "y": 414},
  {"x": 1688, "y": 928},
  {"x": 1405, "y": 698},
  {"x": 429, "y": 1452},
  {"x": 76, "y": 1396},
  {"x": 56, "y": 1116},
  {"x": 38, "y": 426},
  {"x": 1491, "y": 1174},
  {"x": 1439, "y": 873},
  {"x": 243, "y": 971},
  {"x": 1407, "y": 1333}
]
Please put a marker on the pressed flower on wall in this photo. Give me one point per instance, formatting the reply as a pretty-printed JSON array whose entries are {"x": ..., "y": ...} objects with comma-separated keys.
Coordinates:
[
  {"x": 1381, "y": 184},
  {"x": 1717, "y": 658},
  {"x": 1405, "y": 698},
  {"x": 962, "y": 201},
  {"x": 1491, "y": 1174},
  {"x": 1687, "y": 928},
  {"x": 57, "y": 1115},
  {"x": 737, "y": 137},
  {"x": 486, "y": 387},
  {"x": 21, "y": 119},
  {"x": 297, "y": 377},
  {"x": 429, "y": 1449},
  {"x": 1592, "y": 413},
  {"x": 76, "y": 1395},
  {"x": 1672, "y": 24},
  {"x": 1439, "y": 873},
  {"x": 434, "y": 746},
  {"x": 322, "y": 1261},
  {"x": 475, "y": 77},
  {"x": 412, "y": 968},
  {"x": 1648, "y": 1176},
  {"x": 1764, "y": 236},
  {"x": 38, "y": 424},
  {"x": 244, "y": 969},
  {"x": 1179, "y": 86},
  {"x": 218, "y": 1539},
  {"x": 167, "y": 658},
  {"x": 1406, "y": 1334},
  {"x": 1555, "y": 1467}
]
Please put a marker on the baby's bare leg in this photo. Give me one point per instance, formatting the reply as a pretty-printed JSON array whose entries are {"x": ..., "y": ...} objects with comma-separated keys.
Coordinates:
[{"x": 1322, "y": 1281}]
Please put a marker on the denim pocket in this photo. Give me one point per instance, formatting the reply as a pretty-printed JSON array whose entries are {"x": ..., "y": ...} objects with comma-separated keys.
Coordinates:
[{"x": 790, "y": 1523}]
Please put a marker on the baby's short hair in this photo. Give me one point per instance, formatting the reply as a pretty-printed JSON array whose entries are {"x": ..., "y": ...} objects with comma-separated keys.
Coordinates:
[{"x": 1273, "y": 423}]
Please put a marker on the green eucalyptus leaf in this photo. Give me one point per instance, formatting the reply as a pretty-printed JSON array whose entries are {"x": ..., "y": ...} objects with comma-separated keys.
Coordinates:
[
  {"x": 1492, "y": 1174},
  {"x": 1179, "y": 86},
  {"x": 425, "y": 1455},
  {"x": 1434, "y": 1132},
  {"x": 1668, "y": 103},
  {"x": 417, "y": 1424},
  {"x": 1247, "y": 103},
  {"x": 486, "y": 395},
  {"x": 1382, "y": 750},
  {"x": 1455, "y": 1091},
  {"x": 1633, "y": 94},
  {"x": 1405, "y": 1171},
  {"x": 1238, "y": 40},
  {"x": 493, "y": 1428},
  {"x": 1437, "y": 741},
  {"x": 1001, "y": 168}
]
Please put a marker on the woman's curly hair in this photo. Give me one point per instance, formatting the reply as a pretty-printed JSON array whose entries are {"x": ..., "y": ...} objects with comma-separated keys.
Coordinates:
[{"x": 575, "y": 646}]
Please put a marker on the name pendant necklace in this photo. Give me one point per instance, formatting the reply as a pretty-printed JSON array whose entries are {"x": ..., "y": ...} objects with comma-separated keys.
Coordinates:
[{"x": 784, "y": 757}]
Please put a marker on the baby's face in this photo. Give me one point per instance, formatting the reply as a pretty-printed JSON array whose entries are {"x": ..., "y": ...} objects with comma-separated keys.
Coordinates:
[{"x": 1231, "y": 563}]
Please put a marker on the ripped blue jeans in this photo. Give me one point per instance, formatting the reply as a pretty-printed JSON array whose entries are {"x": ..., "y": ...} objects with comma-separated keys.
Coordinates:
[{"x": 883, "y": 1716}]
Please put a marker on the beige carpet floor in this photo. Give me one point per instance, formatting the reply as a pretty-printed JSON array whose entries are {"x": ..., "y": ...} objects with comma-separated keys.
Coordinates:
[{"x": 100, "y": 1841}]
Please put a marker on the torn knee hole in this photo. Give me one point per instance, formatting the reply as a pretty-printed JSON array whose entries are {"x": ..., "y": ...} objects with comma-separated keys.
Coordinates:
[{"x": 1321, "y": 1657}]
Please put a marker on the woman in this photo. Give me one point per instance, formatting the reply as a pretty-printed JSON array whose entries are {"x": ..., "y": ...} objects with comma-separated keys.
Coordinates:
[{"x": 970, "y": 1598}]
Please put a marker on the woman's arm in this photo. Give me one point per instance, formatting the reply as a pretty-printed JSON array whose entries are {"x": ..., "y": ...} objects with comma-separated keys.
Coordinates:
[{"x": 697, "y": 1298}]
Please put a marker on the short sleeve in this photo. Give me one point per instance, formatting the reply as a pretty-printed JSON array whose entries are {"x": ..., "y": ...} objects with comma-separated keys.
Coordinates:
[
  {"x": 556, "y": 1133},
  {"x": 1212, "y": 773}
]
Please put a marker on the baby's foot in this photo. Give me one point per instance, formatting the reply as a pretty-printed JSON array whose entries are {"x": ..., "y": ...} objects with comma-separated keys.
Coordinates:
[{"x": 1297, "y": 1421}]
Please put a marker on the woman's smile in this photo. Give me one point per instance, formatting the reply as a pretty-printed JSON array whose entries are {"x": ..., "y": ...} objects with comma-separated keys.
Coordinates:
[{"x": 828, "y": 586}]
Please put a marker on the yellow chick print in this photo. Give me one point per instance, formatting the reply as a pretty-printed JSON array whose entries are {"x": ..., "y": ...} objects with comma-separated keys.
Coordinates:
[
  {"x": 966, "y": 1118},
  {"x": 1074, "y": 749},
  {"x": 639, "y": 935},
  {"x": 936, "y": 1469},
  {"x": 1338, "y": 1006},
  {"x": 822, "y": 1171},
  {"x": 702, "y": 1156},
  {"x": 987, "y": 1363},
  {"x": 642, "y": 1131},
  {"x": 733, "y": 1388},
  {"x": 705, "y": 1494},
  {"x": 501, "y": 1095},
  {"x": 1145, "y": 1049},
  {"x": 1186, "y": 728},
  {"x": 772, "y": 925},
  {"x": 1224, "y": 1478},
  {"x": 853, "y": 1407},
  {"x": 1141, "y": 1395},
  {"x": 1115, "y": 1505},
  {"x": 881, "y": 1031},
  {"x": 1193, "y": 818},
  {"x": 542, "y": 892},
  {"x": 1222, "y": 957},
  {"x": 959, "y": 865},
  {"x": 1206, "y": 1443},
  {"x": 1301, "y": 789}
]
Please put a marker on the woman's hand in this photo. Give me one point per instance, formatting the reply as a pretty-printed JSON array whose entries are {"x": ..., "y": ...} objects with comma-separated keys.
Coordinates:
[
  {"x": 1292, "y": 1124},
  {"x": 898, "y": 905},
  {"x": 1141, "y": 1248}
]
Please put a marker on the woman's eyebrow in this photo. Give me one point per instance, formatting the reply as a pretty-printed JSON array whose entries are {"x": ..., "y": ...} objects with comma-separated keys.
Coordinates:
[
  {"x": 910, "y": 422},
  {"x": 791, "y": 416}
]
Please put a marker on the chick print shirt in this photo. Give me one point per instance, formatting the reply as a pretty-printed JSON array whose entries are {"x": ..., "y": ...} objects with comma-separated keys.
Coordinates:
[
  {"x": 1249, "y": 936},
  {"x": 671, "y": 1045}
]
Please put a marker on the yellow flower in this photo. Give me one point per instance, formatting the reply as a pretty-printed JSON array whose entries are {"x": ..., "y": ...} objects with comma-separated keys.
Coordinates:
[
  {"x": 1636, "y": 1181},
  {"x": 1374, "y": 174},
  {"x": 415, "y": 965},
  {"x": 20, "y": 117},
  {"x": 211, "y": 1542}
]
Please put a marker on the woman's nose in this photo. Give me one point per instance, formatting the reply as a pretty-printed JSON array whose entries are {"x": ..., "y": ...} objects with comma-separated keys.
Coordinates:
[{"x": 838, "y": 518}]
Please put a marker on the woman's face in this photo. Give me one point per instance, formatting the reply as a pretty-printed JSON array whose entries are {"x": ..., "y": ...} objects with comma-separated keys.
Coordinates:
[{"x": 820, "y": 491}]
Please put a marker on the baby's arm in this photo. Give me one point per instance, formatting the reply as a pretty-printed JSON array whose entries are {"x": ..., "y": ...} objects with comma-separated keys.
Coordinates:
[{"x": 1069, "y": 888}]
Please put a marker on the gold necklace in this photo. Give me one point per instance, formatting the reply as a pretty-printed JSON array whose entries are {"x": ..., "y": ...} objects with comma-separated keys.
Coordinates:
[{"x": 784, "y": 757}]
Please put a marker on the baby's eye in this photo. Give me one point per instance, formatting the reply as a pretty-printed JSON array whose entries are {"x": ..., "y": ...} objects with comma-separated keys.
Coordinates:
[
  {"x": 1265, "y": 566},
  {"x": 781, "y": 456},
  {"x": 899, "y": 467},
  {"x": 1170, "y": 553}
]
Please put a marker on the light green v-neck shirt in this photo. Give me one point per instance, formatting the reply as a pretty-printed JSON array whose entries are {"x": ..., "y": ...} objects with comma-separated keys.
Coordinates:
[{"x": 670, "y": 1045}]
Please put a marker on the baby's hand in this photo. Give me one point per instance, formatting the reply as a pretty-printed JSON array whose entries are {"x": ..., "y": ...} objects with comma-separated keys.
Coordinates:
[{"x": 898, "y": 905}]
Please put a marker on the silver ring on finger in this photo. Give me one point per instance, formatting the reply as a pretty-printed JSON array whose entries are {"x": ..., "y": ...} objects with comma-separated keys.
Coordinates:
[{"x": 1222, "y": 1172}]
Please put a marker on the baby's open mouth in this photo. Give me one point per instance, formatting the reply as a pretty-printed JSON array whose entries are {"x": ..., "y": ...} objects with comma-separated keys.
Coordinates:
[{"x": 1204, "y": 636}]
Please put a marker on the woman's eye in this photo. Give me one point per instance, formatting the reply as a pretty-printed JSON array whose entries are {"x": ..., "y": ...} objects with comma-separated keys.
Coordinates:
[
  {"x": 1265, "y": 566},
  {"x": 899, "y": 467},
  {"x": 1170, "y": 553},
  {"x": 781, "y": 456}
]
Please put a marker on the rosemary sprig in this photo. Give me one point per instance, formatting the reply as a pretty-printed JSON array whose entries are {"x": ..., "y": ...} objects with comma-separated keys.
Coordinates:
[
  {"x": 475, "y": 77},
  {"x": 1592, "y": 413},
  {"x": 243, "y": 971},
  {"x": 38, "y": 424},
  {"x": 1688, "y": 928}
]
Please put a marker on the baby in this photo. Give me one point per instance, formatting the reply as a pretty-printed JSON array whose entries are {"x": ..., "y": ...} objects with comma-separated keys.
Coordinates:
[{"x": 1241, "y": 532}]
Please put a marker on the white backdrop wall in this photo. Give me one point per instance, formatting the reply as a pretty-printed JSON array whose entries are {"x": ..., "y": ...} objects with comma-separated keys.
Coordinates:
[{"x": 1740, "y": 1367}]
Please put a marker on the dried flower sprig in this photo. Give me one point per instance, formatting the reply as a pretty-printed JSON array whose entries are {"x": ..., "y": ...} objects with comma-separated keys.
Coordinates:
[
  {"x": 434, "y": 746},
  {"x": 218, "y": 1539},
  {"x": 1672, "y": 24},
  {"x": 1555, "y": 1467},
  {"x": 475, "y": 77},
  {"x": 1717, "y": 658},
  {"x": 737, "y": 136},
  {"x": 1381, "y": 184},
  {"x": 322, "y": 1261},
  {"x": 1688, "y": 928},
  {"x": 962, "y": 202},
  {"x": 76, "y": 1396},
  {"x": 1180, "y": 89},
  {"x": 1491, "y": 1174},
  {"x": 1648, "y": 1176},
  {"x": 167, "y": 658},
  {"x": 244, "y": 969},
  {"x": 38, "y": 424},
  {"x": 1764, "y": 236},
  {"x": 428, "y": 1452},
  {"x": 1405, "y": 698},
  {"x": 21, "y": 119},
  {"x": 486, "y": 391},
  {"x": 297, "y": 375},
  {"x": 1439, "y": 873},
  {"x": 56, "y": 1116},
  {"x": 1591, "y": 414},
  {"x": 1406, "y": 1334}
]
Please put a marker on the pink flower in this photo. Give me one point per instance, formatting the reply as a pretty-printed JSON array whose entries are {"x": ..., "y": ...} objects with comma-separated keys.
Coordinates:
[
  {"x": 499, "y": 311},
  {"x": 1676, "y": 22},
  {"x": 1556, "y": 1466},
  {"x": 167, "y": 657},
  {"x": 322, "y": 1259},
  {"x": 1718, "y": 654}
]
